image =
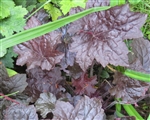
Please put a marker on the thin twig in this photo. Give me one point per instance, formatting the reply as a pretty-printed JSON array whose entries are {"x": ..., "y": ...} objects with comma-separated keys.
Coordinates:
[
  {"x": 10, "y": 94},
  {"x": 99, "y": 73},
  {"x": 91, "y": 69},
  {"x": 113, "y": 70},
  {"x": 8, "y": 98}
]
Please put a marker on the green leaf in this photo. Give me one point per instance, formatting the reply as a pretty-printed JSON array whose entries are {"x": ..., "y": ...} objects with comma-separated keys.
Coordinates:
[
  {"x": 137, "y": 75},
  {"x": 68, "y": 4},
  {"x": 31, "y": 2},
  {"x": 104, "y": 74},
  {"x": 21, "y": 2},
  {"x": 11, "y": 72},
  {"x": 3, "y": 52},
  {"x": 53, "y": 11},
  {"x": 46, "y": 28},
  {"x": 7, "y": 59},
  {"x": 42, "y": 0},
  {"x": 15, "y": 22},
  {"x": 57, "y": 2},
  {"x": 149, "y": 36},
  {"x": 5, "y": 6},
  {"x": 31, "y": 7},
  {"x": 134, "y": 1},
  {"x": 117, "y": 2},
  {"x": 113, "y": 2}
]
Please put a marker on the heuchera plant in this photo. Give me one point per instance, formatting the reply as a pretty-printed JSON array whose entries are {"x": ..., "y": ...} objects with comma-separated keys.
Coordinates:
[{"x": 58, "y": 64}]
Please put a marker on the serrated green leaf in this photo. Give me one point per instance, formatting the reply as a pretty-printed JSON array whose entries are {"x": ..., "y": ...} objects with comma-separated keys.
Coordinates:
[
  {"x": 31, "y": 7},
  {"x": 66, "y": 5},
  {"x": 5, "y": 6},
  {"x": 21, "y": 2},
  {"x": 14, "y": 23},
  {"x": 7, "y": 59},
  {"x": 53, "y": 11}
]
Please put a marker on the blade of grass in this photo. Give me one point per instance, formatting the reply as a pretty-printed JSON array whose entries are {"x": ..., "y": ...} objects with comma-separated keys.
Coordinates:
[
  {"x": 46, "y": 28},
  {"x": 132, "y": 112},
  {"x": 137, "y": 75},
  {"x": 148, "y": 117},
  {"x": 119, "y": 114},
  {"x": 118, "y": 110}
]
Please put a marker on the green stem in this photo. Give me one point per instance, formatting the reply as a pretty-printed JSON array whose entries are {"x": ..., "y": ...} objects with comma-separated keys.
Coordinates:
[
  {"x": 10, "y": 94},
  {"x": 37, "y": 9}
]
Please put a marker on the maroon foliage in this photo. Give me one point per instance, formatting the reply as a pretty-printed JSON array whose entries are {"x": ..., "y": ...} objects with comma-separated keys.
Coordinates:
[
  {"x": 68, "y": 59},
  {"x": 40, "y": 51},
  {"x": 74, "y": 71},
  {"x": 141, "y": 49},
  {"x": 86, "y": 109},
  {"x": 100, "y": 36},
  {"x": 96, "y": 39},
  {"x": 84, "y": 85},
  {"x": 129, "y": 90},
  {"x": 11, "y": 84},
  {"x": 20, "y": 111},
  {"x": 43, "y": 81}
]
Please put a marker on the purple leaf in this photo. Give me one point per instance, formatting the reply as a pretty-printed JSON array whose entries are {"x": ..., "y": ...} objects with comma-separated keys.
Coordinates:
[
  {"x": 68, "y": 59},
  {"x": 74, "y": 71},
  {"x": 12, "y": 84},
  {"x": 3, "y": 105},
  {"x": 40, "y": 81},
  {"x": 63, "y": 110},
  {"x": 141, "y": 49},
  {"x": 85, "y": 85},
  {"x": 100, "y": 36},
  {"x": 86, "y": 109},
  {"x": 40, "y": 51},
  {"x": 21, "y": 112},
  {"x": 129, "y": 90}
]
